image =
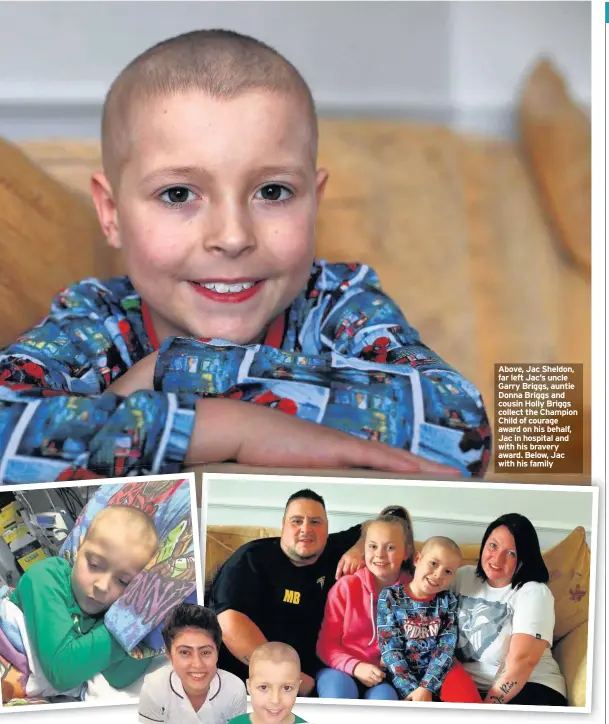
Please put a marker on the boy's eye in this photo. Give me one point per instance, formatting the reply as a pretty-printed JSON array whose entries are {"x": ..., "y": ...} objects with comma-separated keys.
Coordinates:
[
  {"x": 274, "y": 192},
  {"x": 177, "y": 195},
  {"x": 263, "y": 687},
  {"x": 124, "y": 584},
  {"x": 288, "y": 688}
]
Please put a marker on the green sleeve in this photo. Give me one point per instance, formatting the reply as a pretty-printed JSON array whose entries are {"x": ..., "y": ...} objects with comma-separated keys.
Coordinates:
[
  {"x": 126, "y": 672},
  {"x": 67, "y": 658}
]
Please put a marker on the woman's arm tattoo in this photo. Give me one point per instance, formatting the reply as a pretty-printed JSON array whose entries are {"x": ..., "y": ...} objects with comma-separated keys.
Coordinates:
[{"x": 506, "y": 687}]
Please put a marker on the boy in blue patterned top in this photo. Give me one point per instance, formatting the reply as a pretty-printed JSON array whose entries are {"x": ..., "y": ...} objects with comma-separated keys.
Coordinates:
[
  {"x": 210, "y": 190},
  {"x": 417, "y": 629}
]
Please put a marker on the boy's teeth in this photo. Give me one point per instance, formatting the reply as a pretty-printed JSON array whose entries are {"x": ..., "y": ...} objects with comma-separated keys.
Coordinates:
[{"x": 222, "y": 288}]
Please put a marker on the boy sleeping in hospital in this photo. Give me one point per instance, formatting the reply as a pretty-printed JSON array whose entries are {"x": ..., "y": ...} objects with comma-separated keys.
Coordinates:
[{"x": 60, "y": 609}]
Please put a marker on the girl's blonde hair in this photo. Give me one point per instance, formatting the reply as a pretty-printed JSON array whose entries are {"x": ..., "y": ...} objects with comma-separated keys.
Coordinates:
[{"x": 400, "y": 517}]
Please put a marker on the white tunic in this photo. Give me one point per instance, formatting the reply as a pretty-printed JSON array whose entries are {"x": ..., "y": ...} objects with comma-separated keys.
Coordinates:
[{"x": 163, "y": 699}]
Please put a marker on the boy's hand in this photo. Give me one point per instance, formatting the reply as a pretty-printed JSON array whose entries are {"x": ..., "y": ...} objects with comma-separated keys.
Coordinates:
[
  {"x": 254, "y": 435},
  {"x": 420, "y": 694},
  {"x": 368, "y": 674},
  {"x": 307, "y": 684},
  {"x": 139, "y": 377}
]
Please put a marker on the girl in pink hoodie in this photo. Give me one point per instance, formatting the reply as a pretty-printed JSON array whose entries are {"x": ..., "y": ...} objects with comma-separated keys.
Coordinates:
[{"x": 348, "y": 640}]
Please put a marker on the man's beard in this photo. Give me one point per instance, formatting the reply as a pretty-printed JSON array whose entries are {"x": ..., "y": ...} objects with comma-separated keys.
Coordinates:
[{"x": 295, "y": 557}]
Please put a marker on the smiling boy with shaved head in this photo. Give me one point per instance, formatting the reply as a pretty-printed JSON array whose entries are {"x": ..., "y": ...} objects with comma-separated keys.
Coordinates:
[
  {"x": 274, "y": 678},
  {"x": 211, "y": 191},
  {"x": 417, "y": 629}
]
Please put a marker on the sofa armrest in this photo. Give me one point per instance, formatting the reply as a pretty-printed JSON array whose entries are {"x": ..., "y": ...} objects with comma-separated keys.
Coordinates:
[{"x": 571, "y": 653}]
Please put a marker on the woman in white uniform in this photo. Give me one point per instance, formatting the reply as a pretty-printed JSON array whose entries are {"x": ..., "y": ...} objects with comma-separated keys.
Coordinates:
[
  {"x": 506, "y": 618},
  {"x": 191, "y": 689}
]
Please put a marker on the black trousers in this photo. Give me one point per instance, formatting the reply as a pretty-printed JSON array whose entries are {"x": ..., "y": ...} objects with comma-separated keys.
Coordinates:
[{"x": 538, "y": 695}]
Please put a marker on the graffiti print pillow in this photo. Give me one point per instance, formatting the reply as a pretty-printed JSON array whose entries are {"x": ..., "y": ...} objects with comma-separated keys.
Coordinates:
[{"x": 168, "y": 579}]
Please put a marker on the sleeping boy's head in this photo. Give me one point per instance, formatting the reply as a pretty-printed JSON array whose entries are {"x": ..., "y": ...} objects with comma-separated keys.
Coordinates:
[
  {"x": 273, "y": 681},
  {"x": 210, "y": 186},
  {"x": 435, "y": 566},
  {"x": 119, "y": 543}
]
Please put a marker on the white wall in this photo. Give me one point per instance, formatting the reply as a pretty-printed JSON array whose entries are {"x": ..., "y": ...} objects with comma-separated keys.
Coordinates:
[
  {"x": 495, "y": 43},
  {"x": 352, "y": 53},
  {"x": 460, "y": 512},
  {"x": 459, "y": 62}
]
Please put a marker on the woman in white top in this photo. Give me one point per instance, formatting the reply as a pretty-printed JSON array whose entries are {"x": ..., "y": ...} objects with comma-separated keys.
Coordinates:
[
  {"x": 191, "y": 689},
  {"x": 506, "y": 618}
]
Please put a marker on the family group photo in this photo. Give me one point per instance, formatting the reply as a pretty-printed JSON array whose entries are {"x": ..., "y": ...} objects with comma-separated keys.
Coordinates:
[{"x": 405, "y": 593}]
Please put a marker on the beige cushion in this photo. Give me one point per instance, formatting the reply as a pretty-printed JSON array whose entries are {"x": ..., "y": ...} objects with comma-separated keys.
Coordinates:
[
  {"x": 49, "y": 237},
  {"x": 569, "y": 565},
  {"x": 223, "y": 540},
  {"x": 556, "y": 136},
  {"x": 571, "y": 654}
]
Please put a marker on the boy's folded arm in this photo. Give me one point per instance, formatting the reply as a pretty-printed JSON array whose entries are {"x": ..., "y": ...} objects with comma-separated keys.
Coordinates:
[
  {"x": 46, "y": 410},
  {"x": 147, "y": 432},
  {"x": 51, "y": 402},
  {"x": 383, "y": 335},
  {"x": 392, "y": 645},
  {"x": 67, "y": 659}
]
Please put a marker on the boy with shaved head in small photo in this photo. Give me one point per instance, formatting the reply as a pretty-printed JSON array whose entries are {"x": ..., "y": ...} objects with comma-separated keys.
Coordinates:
[
  {"x": 63, "y": 606},
  {"x": 274, "y": 678}
]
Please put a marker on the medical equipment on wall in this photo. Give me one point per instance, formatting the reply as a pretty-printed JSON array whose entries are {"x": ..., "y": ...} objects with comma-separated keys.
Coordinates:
[
  {"x": 49, "y": 528},
  {"x": 28, "y": 534}
]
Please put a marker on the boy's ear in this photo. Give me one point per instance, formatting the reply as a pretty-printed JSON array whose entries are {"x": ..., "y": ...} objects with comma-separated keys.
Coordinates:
[
  {"x": 321, "y": 178},
  {"x": 417, "y": 558},
  {"x": 101, "y": 192},
  {"x": 247, "y": 686}
]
